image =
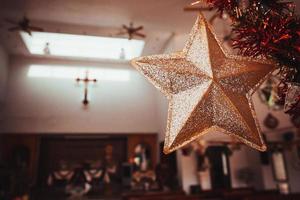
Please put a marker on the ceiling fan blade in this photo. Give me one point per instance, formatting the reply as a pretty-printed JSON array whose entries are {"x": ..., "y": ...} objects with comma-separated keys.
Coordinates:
[
  {"x": 16, "y": 28},
  {"x": 197, "y": 8},
  {"x": 139, "y": 28},
  {"x": 140, "y": 35},
  {"x": 10, "y": 21},
  {"x": 121, "y": 33},
  {"x": 25, "y": 19},
  {"x": 125, "y": 27},
  {"x": 33, "y": 28},
  {"x": 130, "y": 36},
  {"x": 28, "y": 32}
]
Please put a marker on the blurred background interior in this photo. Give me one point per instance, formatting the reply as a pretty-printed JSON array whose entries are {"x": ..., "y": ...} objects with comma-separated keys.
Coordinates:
[{"x": 77, "y": 121}]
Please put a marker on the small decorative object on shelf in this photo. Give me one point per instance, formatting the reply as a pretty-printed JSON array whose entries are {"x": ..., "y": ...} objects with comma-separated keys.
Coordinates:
[
  {"x": 292, "y": 98},
  {"x": 268, "y": 94}
]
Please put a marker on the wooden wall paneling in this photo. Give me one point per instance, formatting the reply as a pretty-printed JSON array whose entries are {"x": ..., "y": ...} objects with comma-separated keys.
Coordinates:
[
  {"x": 33, "y": 143},
  {"x": 11, "y": 141}
]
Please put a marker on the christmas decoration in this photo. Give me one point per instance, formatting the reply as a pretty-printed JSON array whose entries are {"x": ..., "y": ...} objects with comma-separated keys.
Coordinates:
[
  {"x": 271, "y": 122},
  {"x": 268, "y": 94},
  {"x": 292, "y": 99},
  {"x": 208, "y": 89},
  {"x": 266, "y": 28}
]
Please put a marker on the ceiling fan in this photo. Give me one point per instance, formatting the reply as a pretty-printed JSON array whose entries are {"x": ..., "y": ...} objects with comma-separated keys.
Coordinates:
[
  {"x": 23, "y": 25},
  {"x": 132, "y": 31}
]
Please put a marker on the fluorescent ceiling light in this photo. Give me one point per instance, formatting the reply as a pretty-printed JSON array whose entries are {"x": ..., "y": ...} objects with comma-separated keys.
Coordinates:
[
  {"x": 64, "y": 72},
  {"x": 82, "y": 46}
]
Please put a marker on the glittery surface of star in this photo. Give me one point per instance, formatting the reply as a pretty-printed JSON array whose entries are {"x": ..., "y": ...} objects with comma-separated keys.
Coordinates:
[{"x": 208, "y": 90}]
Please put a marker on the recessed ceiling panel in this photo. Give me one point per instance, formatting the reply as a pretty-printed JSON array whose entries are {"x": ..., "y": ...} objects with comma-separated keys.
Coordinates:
[{"x": 82, "y": 46}]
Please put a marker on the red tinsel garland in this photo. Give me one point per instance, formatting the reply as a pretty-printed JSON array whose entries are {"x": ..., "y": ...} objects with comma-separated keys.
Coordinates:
[{"x": 270, "y": 29}]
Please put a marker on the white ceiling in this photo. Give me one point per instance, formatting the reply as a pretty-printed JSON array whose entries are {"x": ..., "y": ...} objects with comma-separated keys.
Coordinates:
[
  {"x": 160, "y": 18},
  {"x": 158, "y": 15}
]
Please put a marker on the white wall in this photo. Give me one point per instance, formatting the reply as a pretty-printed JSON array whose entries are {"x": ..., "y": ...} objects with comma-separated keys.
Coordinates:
[
  {"x": 245, "y": 158},
  {"x": 41, "y": 105},
  {"x": 187, "y": 170}
]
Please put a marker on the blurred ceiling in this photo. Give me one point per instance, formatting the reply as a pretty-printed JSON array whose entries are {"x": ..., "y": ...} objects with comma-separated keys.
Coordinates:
[{"x": 161, "y": 18}]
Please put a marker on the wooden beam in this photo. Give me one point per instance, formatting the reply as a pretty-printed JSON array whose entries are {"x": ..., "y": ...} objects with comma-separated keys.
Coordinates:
[{"x": 197, "y": 8}]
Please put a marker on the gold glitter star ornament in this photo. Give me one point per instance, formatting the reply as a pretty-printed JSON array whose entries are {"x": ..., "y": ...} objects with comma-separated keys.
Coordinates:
[{"x": 208, "y": 90}]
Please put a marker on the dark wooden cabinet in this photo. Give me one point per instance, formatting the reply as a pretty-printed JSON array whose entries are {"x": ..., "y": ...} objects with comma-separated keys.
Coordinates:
[{"x": 46, "y": 150}]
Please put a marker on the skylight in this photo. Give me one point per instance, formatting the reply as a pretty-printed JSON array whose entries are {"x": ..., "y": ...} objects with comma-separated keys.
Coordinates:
[
  {"x": 82, "y": 46},
  {"x": 64, "y": 72}
]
